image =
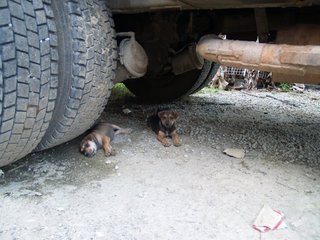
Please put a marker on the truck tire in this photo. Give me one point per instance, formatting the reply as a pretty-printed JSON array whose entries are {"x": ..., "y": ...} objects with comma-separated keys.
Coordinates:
[
  {"x": 170, "y": 87},
  {"x": 28, "y": 75},
  {"x": 87, "y": 62},
  {"x": 205, "y": 77}
]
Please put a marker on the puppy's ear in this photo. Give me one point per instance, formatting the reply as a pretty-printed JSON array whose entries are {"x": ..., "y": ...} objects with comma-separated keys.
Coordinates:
[
  {"x": 175, "y": 114},
  {"x": 160, "y": 114}
]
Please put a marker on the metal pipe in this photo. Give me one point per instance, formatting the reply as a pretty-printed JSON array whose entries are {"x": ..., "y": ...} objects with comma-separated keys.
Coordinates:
[
  {"x": 186, "y": 60},
  {"x": 302, "y": 61}
]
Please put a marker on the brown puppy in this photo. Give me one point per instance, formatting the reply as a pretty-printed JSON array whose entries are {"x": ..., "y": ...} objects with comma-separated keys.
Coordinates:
[
  {"x": 100, "y": 137},
  {"x": 163, "y": 123}
]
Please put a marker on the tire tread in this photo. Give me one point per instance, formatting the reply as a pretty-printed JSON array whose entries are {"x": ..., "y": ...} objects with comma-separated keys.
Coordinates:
[
  {"x": 90, "y": 85},
  {"x": 24, "y": 105}
]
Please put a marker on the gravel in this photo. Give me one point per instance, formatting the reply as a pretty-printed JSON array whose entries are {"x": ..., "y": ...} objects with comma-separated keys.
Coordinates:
[{"x": 282, "y": 126}]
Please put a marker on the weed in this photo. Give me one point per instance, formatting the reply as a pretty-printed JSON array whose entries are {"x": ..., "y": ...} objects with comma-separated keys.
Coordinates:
[
  {"x": 119, "y": 90},
  {"x": 210, "y": 90},
  {"x": 284, "y": 87}
]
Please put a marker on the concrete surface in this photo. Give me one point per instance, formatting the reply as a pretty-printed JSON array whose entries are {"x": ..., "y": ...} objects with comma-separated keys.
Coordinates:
[{"x": 190, "y": 192}]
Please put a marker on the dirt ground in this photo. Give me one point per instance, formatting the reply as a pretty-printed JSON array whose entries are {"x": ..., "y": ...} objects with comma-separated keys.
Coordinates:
[{"x": 190, "y": 192}]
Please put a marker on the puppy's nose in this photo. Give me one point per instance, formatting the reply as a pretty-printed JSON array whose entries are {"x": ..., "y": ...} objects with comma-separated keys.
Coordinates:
[{"x": 87, "y": 154}]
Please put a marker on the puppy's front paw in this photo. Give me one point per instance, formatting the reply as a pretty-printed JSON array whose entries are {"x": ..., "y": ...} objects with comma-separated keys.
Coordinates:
[
  {"x": 110, "y": 152},
  {"x": 113, "y": 152},
  {"x": 162, "y": 138},
  {"x": 107, "y": 154},
  {"x": 175, "y": 139}
]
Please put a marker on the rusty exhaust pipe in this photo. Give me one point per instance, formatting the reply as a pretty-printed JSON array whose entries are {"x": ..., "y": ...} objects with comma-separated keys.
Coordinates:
[{"x": 300, "y": 61}]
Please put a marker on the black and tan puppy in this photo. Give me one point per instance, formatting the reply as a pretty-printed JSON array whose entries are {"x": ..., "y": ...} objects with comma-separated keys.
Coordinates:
[
  {"x": 163, "y": 123},
  {"x": 100, "y": 137}
]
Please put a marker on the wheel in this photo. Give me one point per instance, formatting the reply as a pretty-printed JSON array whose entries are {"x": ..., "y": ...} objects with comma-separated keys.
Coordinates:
[
  {"x": 170, "y": 87},
  {"x": 87, "y": 50},
  {"x": 28, "y": 76}
]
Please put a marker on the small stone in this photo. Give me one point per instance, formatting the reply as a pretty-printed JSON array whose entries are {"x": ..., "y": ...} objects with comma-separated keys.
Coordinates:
[
  {"x": 37, "y": 194},
  {"x": 254, "y": 145},
  {"x": 234, "y": 152},
  {"x": 116, "y": 167},
  {"x": 126, "y": 111}
]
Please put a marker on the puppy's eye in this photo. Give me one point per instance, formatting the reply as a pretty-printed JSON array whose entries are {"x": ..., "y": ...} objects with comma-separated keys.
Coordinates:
[{"x": 87, "y": 145}]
